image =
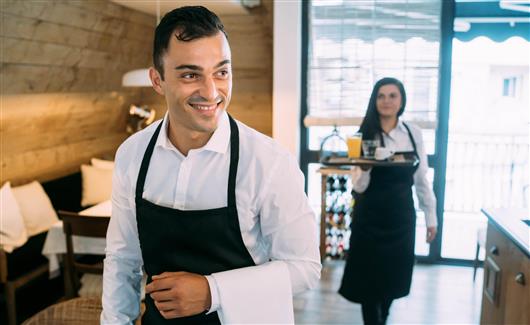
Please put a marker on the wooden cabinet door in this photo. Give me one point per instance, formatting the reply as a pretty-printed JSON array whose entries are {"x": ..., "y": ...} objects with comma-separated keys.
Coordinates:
[{"x": 517, "y": 282}]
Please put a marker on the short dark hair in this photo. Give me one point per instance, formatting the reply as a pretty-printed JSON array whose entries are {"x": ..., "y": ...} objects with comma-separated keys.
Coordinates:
[
  {"x": 186, "y": 24},
  {"x": 371, "y": 125}
]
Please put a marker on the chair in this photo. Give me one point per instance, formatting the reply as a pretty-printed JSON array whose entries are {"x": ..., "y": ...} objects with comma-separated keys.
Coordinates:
[
  {"x": 481, "y": 243},
  {"x": 81, "y": 225},
  {"x": 19, "y": 268},
  {"x": 78, "y": 311}
]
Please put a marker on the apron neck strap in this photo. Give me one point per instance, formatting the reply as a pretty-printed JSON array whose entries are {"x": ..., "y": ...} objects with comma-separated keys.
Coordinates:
[
  {"x": 234, "y": 160},
  {"x": 145, "y": 162},
  {"x": 411, "y": 138}
]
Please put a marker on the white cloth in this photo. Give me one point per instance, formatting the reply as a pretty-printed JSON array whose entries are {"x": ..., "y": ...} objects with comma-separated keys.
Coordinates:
[
  {"x": 275, "y": 218},
  {"x": 12, "y": 229},
  {"x": 55, "y": 243},
  {"x": 267, "y": 307},
  {"x": 398, "y": 140}
]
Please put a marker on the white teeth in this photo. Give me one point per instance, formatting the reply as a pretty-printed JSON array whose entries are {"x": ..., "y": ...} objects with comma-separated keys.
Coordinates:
[{"x": 205, "y": 108}]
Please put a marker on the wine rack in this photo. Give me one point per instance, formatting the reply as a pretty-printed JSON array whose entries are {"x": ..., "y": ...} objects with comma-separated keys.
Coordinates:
[{"x": 336, "y": 210}]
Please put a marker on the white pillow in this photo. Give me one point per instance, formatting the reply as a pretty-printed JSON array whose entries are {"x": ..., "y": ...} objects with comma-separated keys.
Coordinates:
[
  {"x": 97, "y": 184},
  {"x": 12, "y": 229},
  {"x": 100, "y": 163},
  {"x": 36, "y": 208}
]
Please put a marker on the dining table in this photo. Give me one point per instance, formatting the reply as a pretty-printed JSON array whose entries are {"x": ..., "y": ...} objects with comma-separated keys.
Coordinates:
[{"x": 55, "y": 244}]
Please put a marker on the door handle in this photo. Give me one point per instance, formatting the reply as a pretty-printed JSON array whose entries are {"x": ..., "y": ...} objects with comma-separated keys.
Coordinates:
[
  {"x": 519, "y": 278},
  {"x": 494, "y": 250}
]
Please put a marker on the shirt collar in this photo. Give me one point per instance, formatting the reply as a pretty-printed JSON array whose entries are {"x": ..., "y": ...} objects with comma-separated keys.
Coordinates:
[
  {"x": 218, "y": 142},
  {"x": 400, "y": 125}
]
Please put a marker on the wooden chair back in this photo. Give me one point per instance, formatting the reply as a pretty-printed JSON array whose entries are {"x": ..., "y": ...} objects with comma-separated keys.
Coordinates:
[{"x": 75, "y": 224}]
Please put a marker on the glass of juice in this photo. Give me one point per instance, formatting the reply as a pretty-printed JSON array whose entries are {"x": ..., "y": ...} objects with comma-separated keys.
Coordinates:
[{"x": 354, "y": 145}]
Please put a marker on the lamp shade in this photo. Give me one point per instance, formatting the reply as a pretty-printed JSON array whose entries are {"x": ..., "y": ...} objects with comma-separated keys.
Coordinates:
[{"x": 136, "y": 78}]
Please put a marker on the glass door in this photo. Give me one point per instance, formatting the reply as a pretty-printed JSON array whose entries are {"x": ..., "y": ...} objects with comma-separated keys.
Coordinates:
[{"x": 487, "y": 158}]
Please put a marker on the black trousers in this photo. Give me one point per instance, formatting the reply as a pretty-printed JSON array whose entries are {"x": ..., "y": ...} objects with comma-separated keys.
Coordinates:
[{"x": 376, "y": 313}]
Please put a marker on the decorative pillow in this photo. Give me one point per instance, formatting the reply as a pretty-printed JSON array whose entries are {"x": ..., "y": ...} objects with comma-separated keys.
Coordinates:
[
  {"x": 100, "y": 163},
  {"x": 36, "y": 208},
  {"x": 12, "y": 229},
  {"x": 97, "y": 185}
]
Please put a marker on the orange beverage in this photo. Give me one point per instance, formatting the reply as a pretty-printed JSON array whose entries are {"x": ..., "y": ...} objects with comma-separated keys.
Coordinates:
[{"x": 354, "y": 145}]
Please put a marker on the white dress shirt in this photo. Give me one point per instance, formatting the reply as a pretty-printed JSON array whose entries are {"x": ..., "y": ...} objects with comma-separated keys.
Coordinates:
[
  {"x": 276, "y": 221},
  {"x": 398, "y": 140}
]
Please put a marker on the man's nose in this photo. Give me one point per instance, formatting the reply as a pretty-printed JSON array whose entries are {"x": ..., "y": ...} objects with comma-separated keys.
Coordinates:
[{"x": 209, "y": 90}]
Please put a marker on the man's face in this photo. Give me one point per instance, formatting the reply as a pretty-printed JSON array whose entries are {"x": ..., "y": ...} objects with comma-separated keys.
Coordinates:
[{"x": 197, "y": 82}]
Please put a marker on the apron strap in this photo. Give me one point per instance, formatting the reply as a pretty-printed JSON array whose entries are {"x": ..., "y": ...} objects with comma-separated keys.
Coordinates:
[
  {"x": 234, "y": 160},
  {"x": 411, "y": 139},
  {"x": 145, "y": 162}
]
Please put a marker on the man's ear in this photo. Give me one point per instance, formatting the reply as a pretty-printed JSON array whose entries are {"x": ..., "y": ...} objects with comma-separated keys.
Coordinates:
[{"x": 156, "y": 80}]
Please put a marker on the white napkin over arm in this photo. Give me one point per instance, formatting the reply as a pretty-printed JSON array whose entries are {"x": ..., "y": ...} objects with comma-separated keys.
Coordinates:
[{"x": 256, "y": 294}]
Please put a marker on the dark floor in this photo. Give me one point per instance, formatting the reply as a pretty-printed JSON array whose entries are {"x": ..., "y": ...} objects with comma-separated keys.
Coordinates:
[
  {"x": 439, "y": 295},
  {"x": 34, "y": 297}
]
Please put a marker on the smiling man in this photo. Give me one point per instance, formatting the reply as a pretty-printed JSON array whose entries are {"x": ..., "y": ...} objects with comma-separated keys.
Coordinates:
[{"x": 211, "y": 210}]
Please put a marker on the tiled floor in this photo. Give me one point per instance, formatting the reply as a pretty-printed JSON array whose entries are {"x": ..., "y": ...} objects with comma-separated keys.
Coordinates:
[{"x": 439, "y": 295}]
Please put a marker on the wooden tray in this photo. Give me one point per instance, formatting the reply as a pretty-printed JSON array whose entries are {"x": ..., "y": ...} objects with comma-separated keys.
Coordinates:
[{"x": 397, "y": 160}]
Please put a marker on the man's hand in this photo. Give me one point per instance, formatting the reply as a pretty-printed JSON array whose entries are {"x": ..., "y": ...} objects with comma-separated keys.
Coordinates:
[
  {"x": 179, "y": 294},
  {"x": 431, "y": 234}
]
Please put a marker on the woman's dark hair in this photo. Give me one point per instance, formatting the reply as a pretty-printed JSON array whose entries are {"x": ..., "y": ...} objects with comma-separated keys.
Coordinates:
[
  {"x": 371, "y": 125},
  {"x": 186, "y": 24}
]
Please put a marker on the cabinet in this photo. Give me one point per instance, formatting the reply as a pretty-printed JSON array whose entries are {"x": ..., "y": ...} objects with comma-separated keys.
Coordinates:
[{"x": 506, "y": 291}]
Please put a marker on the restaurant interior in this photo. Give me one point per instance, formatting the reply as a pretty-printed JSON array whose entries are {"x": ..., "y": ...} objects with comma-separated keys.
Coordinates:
[{"x": 74, "y": 86}]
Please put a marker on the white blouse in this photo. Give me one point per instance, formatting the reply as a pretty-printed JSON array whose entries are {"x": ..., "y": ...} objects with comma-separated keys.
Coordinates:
[{"x": 398, "y": 140}]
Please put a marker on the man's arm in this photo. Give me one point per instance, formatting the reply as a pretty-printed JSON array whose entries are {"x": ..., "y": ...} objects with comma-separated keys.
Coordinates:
[
  {"x": 122, "y": 270},
  {"x": 288, "y": 224}
]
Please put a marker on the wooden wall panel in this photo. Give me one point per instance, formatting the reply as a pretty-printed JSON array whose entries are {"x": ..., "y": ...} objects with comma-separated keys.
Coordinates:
[
  {"x": 61, "y": 96},
  {"x": 61, "y": 64}
]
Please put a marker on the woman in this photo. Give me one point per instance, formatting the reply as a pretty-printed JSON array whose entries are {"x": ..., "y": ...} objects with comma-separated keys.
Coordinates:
[{"x": 381, "y": 255}]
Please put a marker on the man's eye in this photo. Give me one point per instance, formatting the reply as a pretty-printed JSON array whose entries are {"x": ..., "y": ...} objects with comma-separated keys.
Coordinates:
[
  {"x": 223, "y": 73},
  {"x": 190, "y": 76}
]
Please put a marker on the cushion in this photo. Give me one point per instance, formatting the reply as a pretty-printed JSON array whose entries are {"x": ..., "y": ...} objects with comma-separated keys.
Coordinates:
[
  {"x": 100, "y": 163},
  {"x": 13, "y": 231},
  {"x": 97, "y": 185},
  {"x": 36, "y": 208}
]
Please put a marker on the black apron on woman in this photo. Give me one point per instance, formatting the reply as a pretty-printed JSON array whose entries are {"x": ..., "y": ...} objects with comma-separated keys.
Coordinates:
[
  {"x": 196, "y": 241},
  {"x": 381, "y": 254}
]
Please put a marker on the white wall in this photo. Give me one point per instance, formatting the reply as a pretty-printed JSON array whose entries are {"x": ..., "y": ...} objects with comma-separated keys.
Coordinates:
[{"x": 287, "y": 74}]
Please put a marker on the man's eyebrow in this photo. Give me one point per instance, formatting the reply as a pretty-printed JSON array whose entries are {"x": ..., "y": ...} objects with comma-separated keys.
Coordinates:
[
  {"x": 220, "y": 64},
  {"x": 198, "y": 68},
  {"x": 188, "y": 67}
]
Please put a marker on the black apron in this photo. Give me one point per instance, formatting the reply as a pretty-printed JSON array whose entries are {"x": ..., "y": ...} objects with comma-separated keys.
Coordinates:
[
  {"x": 383, "y": 228},
  {"x": 196, "y": 241}
]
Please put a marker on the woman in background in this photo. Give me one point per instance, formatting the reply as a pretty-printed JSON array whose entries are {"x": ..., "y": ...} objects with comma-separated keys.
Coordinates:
[{"x": 381, "y": 256}]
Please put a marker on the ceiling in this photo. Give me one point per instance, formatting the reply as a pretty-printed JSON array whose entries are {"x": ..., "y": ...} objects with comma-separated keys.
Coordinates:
[{"x": 224, "y": 7}]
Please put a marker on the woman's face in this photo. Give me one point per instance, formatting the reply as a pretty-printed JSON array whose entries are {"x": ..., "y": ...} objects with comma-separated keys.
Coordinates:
[{"x": 388, "y": 101}]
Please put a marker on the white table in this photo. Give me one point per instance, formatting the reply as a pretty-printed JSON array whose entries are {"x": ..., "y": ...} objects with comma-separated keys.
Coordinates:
[{"x": 55, "y": 244}]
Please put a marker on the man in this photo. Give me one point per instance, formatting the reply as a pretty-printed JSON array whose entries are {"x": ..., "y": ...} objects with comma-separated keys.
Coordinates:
[{"x": 214, "y": 211}]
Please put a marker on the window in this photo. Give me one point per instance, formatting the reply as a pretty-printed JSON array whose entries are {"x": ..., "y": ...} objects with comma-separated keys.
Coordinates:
[
  {"x": 352, "y": 44},
  {"x": 509, "y": 87}
]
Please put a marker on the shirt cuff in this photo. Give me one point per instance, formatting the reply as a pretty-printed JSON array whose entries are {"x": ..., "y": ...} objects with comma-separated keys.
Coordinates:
[{"x": 214, "y": 293}]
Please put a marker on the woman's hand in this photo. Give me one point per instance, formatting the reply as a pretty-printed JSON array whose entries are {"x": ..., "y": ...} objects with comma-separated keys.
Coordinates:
[{"x": 431, "y": 234}]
